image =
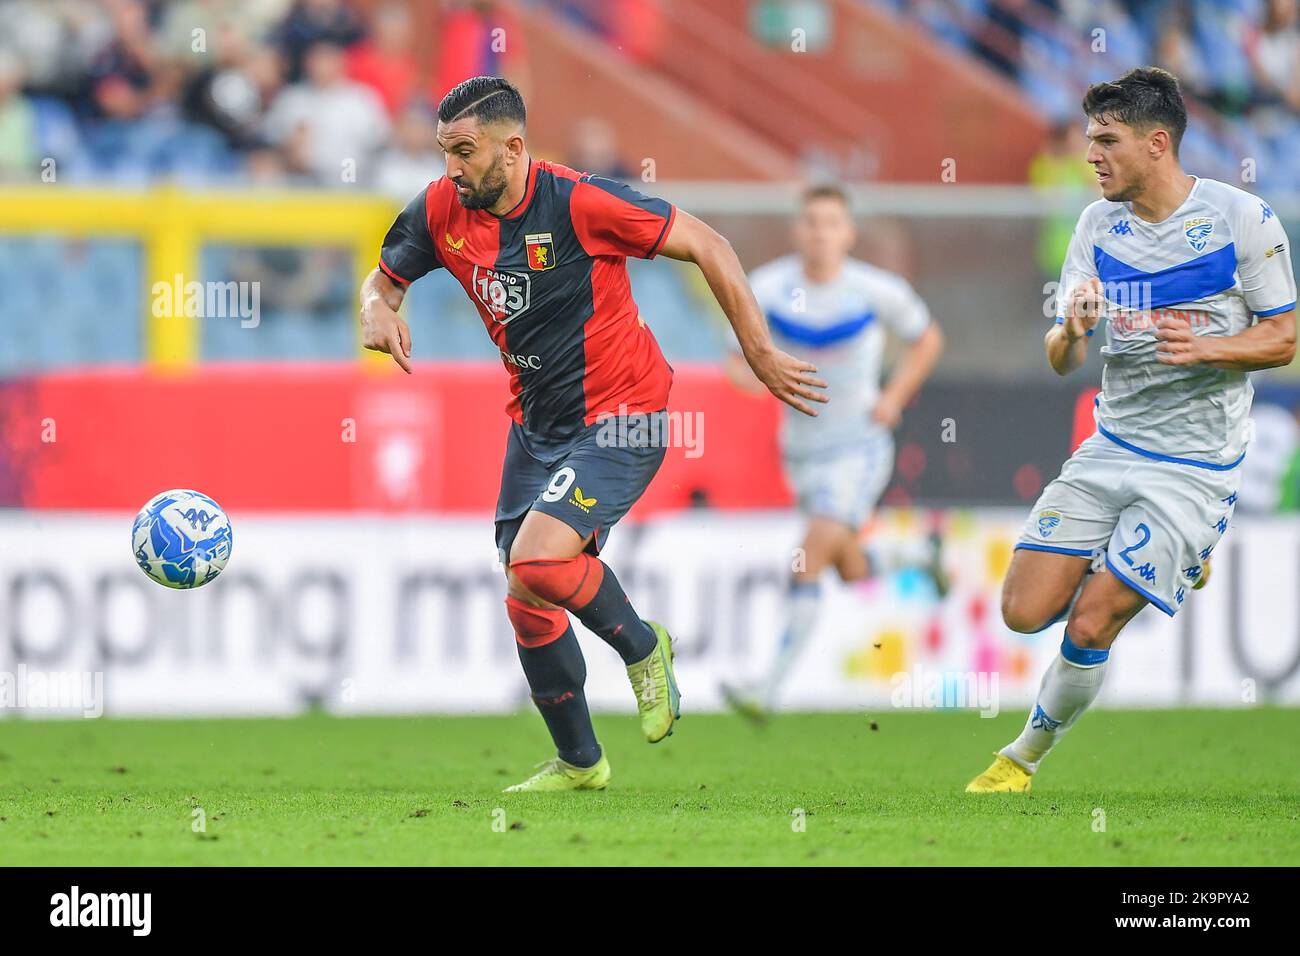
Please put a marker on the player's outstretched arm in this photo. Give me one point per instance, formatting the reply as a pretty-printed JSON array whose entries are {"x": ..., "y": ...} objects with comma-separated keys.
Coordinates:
[
  {"x": 1067, "y": 343},
  {"x": 382, "y": 329},
  {"x": 785, "y": 376},
  {"x": 1270, "y": 343}
]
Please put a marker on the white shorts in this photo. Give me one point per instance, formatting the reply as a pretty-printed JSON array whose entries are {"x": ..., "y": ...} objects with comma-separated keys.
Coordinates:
[
  {"x": 844, "y": 483},
  {"x": 1155, "y": 520}
]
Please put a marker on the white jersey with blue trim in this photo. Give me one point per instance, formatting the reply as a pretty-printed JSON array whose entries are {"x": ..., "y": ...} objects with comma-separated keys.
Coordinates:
[
  {"x": 1218, "y": 261},
  {"x": 839, "y": 326}
]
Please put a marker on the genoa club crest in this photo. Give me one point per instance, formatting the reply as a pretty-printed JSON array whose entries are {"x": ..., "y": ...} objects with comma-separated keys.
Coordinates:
[{"x": 541, "y": 251}]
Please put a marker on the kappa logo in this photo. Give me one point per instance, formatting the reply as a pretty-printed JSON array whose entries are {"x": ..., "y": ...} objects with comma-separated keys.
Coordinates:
[
  {"x": 541, "y": 251},
  {"x": 1048, "y": 521},
  {"x": 1041, "y": 721},
  {"x": 580, "y": 500},
  {"x": 198, "y": 519},
  {"x": 1122, "y": 228},
  {"x": 1146, "y": 571},
  {"x": 1198, "y": 231}
]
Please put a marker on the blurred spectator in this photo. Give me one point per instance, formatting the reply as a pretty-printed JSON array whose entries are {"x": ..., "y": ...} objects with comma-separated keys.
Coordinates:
[
  {"x": 595, "y": 149},
  {"x": 414, "y": 159},
  {"x": 328, "y": 125},
  {"x": 121, "y": 76},
  {"x": 1175, "y": 50},
  {"x": 637, "y": 29},
  {"x": 185, "y": 22},
  {"x": 1061, "y": 167},
  {"x": 232, "y": 93},
  {"x": 42, "y": 36},
  {"x": 1000, "y": 40},
  {"x": 315, "y": 21},
  {"x": 1275, "y": 53},
  {"x": 479, "y": 38},
  {"x": 386, "y": 62},
  {"x": 1237, "y": 61},
  {"x": 18, "y": 147}
]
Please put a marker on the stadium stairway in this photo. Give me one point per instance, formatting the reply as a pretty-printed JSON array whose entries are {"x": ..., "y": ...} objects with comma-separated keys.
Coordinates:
[
  {"x": 655, "y": 117},
  {"x": 854, "y": 92}
]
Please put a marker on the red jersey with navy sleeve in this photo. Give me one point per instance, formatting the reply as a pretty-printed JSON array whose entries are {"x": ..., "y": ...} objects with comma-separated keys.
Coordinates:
[{"x": 549, "y": 280}]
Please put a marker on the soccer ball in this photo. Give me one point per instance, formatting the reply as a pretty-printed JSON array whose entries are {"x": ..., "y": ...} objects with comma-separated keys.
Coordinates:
[{"x": 181, "y": 539}]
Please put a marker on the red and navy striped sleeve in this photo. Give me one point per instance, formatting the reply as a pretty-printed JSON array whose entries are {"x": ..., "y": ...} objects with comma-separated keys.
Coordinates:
[
  {"x": 409, "y": 251},
  {"x": 613, "y": 219}
]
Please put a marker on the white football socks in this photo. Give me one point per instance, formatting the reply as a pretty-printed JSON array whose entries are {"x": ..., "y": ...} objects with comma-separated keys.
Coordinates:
[
  {"x": 805, "y": 598},
  {"x": 1069, "y": 686}
]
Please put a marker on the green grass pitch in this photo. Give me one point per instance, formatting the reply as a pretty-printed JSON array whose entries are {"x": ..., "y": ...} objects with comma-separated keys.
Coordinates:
[{"x": 1171, "y": 787}]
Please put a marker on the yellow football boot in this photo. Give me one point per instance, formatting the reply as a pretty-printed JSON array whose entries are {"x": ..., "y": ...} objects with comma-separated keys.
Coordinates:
[
  {"x": 1003, "y": 776},
  {"x": 557, "y": 774},
  {"x": 657, "y": 699},
  {"x": 1204, "y": 577}
]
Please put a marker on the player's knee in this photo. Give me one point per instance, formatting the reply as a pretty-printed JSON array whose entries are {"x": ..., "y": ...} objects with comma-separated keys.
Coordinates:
[
  {"x": 568, "y": 582},
  {"x": 535, "y": 626},
  {"x": 516, "y": 588},
  {"x": 1022, "y": 615},
  {"x": 1093, "y": 627}
]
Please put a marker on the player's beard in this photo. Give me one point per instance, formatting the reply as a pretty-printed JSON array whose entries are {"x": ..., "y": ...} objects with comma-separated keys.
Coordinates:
[
  {"x": 1132, "y": 188},
  {"x": 490, "y": 188}
]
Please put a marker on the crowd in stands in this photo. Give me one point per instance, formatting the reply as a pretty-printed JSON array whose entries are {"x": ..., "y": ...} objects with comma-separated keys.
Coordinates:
[
  {"x": 332, "y": 92},
  {"x": 1238, "y": 59},
  {"x": 292, "y": 92}
]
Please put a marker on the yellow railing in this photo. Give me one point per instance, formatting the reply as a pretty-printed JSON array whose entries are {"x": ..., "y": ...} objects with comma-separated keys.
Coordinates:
[{"x": 171, "y": 224}]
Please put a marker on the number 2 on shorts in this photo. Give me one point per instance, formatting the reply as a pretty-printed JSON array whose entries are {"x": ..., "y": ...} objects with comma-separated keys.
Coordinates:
[{"x": 1143, "y": 530}]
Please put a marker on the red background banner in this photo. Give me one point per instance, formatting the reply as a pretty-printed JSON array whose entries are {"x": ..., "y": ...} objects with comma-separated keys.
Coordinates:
[{"x": 338, "y": 437}]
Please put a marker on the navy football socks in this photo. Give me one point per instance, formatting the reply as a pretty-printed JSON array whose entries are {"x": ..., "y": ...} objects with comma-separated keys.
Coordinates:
[{"x": 556, "y": 673}]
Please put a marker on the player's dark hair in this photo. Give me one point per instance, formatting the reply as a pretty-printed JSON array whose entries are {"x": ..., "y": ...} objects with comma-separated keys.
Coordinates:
[
  {"x": 1145, "y": 98},
  {"x": 825, "y": 191},
  {"x": 489, "y": 98}
]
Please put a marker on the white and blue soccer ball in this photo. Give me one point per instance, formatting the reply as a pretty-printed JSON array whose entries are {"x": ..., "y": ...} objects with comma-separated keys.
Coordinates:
[{"x": 181, "y": 539}]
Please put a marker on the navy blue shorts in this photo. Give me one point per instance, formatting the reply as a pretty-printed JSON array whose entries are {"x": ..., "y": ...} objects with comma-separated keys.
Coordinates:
[{"x": 588, "y": 481}]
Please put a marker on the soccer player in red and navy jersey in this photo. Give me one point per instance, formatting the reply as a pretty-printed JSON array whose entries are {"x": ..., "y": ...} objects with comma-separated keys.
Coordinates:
[{"x": 541, "y": 250}]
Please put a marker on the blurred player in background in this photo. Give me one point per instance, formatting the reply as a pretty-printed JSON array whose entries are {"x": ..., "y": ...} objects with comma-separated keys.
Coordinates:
[
  {"x": 541, "y": 250},
  {"x": 1195, "y": 279},
  {"x": 836, "y": 309}
]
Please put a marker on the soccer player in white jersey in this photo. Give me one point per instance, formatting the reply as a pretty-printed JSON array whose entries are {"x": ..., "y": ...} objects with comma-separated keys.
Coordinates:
[
  {"x": 837, "y": 310},
  {"x": 1194, "y": 279}
]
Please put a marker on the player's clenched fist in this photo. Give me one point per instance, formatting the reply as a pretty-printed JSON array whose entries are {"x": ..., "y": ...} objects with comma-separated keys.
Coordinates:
[
  {"x": 383, "y": 330},
  {"x": 789, "y": 379},
  {"x": 1084, "y": 307},
  {"x": 1176, "y": 344}
]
